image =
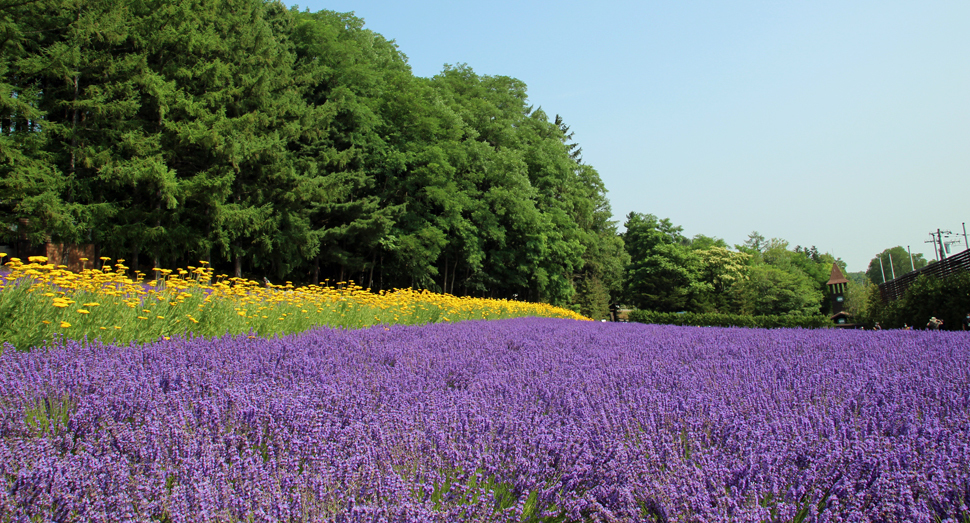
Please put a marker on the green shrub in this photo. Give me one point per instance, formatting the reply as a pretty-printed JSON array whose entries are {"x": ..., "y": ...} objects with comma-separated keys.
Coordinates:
[
  {"x": 945, "y": 298},
  {"x": 711, "y": 319}
]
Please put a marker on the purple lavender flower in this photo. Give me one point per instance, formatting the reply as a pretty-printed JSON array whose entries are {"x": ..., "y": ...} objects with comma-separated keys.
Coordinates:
[{"x": 527, "y": 419}]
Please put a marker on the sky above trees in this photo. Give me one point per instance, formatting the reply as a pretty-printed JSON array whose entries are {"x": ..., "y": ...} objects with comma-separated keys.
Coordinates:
[{"x": 834, "y": 124}]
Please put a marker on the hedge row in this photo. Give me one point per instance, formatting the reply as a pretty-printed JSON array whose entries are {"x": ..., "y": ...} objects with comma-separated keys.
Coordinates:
[{"x": 710, "y": 319}]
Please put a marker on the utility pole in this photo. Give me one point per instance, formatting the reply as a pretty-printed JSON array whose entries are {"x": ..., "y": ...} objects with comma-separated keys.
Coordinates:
[
  {"x": 939, "y": 238},
  {"x": 933, "y": 241},
  {"x": 912, "y": 266},
  {"x": 942, "y": 246}
]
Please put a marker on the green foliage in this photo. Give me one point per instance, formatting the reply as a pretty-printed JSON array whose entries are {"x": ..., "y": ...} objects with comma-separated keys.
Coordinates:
[
  {"x": 928, "y": 296},
  {"x": 770, "y": 290},
  {"x": 721, "y": 271},
  {"x": 458, "y": 489},
  {"x": 662, "y": 267},
  {"x": 859, "y": 299},
  {"x": 291, "y": 145},
  {"x": 668, "y": 273},
  {"x": 731, "y": 320},
  {"x": 49, "y": 415},
  {"x": 895, "y": 262},
  {"x": 348, "y": 71},
  {"x": 593, "y": 298}
]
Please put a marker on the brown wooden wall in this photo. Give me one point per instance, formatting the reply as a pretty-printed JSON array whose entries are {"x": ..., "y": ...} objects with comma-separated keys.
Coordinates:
[{"x": 894, "y": 289}]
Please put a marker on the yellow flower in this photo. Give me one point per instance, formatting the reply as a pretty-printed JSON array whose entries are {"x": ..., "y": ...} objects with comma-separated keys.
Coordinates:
[
  {"x": 117, "y": 327},
  {"x": 141, "y": 318},
  {"x": 37, "y": 259},
  {"x": 45, "y": 322},
  {"x": 160, "y": 317},
  {"x": 83, "y": 311},
  {"x": 91, "y": 304},
  {"x": 65, "y": 324}
]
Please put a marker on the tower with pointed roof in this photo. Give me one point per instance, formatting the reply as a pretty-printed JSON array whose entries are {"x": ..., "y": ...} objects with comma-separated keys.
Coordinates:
[{"x": 836, "y": 284}]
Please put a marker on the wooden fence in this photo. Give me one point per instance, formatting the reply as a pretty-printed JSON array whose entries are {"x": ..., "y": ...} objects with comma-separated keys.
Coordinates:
[
  {"x": 894, "y": 289},
  {"x": 68, "y": 254},
  {"x": 71, "y": 255}
]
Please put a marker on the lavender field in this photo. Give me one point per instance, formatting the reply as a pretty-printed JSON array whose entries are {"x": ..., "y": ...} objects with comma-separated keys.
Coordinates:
[{"x": 513, "y": 420}]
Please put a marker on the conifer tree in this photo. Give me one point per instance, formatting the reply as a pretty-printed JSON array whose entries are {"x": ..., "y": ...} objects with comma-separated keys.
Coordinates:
[
  {"x": 228, "y": 114},
  {"x": 348, "y": 70}
]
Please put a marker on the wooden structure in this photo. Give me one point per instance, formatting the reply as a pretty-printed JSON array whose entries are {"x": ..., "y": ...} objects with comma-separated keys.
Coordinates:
[
  {"x": 894, "y": 289},
  {"x": 70, "y": 255},
  {"x": 67, "y": 254},
  {"x": 837, "y": 285}
]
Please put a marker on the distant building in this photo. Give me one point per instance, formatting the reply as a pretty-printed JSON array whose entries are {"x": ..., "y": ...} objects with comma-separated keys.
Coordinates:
[{"x": 837, "y": 284}]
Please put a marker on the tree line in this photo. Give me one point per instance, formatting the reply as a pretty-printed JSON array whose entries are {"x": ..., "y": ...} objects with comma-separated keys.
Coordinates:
[
  {"x": 293, "y": 145},
  {"x": 669, "y": 272},
  {"x": 299, "y": 146}
]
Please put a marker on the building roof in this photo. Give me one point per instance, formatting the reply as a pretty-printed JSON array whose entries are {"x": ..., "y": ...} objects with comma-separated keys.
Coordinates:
[{"x": 837, "y": 276}]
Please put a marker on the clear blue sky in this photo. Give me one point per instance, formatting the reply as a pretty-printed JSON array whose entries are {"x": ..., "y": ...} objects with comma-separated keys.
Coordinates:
[{"x": 839, "y": 124}]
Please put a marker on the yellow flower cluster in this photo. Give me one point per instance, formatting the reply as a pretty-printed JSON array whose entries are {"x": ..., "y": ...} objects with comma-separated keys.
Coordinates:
[{"x": 253, "y": 303}]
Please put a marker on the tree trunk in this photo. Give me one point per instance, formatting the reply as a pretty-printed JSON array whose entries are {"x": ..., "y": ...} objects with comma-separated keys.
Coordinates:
[
  {"x": 208, "y": 238},
  {"x": 444, "y": 285},
  {"x": 77, "y": 80},
  {"x": 158, "y": 225},
  {"x": 454, "y": 273},
  {"x": 373, "y": 263},
  {"x": 316, "y": 271},
  {"x": 77, "y": 83},
  {"x": 237, "y": 261}
]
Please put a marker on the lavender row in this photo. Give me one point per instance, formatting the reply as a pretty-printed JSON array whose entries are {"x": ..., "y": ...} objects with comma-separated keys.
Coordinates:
[{"x": 552, "y": 420}]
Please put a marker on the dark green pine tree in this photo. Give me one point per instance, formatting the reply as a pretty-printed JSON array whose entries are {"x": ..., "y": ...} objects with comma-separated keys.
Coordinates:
[
  {"x": 348, "y": 71},
  {"x": 229, "y": 105},
  {"x": 98, "y": 119},
  {"x": 34, "y": 190}
]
